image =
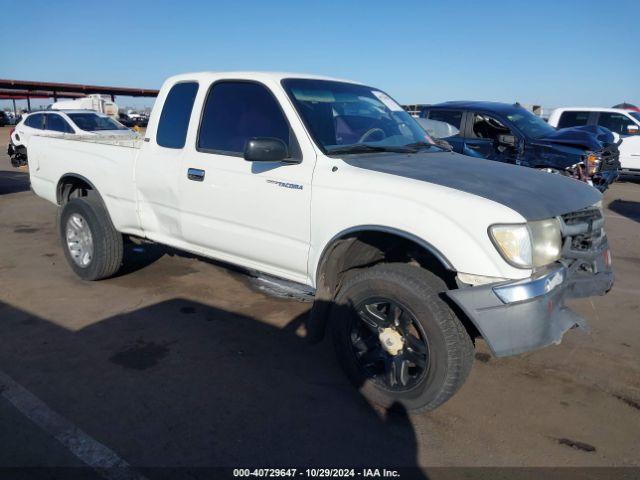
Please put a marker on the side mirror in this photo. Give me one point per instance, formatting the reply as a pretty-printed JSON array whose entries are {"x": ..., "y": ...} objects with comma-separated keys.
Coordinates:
[
  {"x": 264, "y": 149},
  {"x": 633, "y": 129},
  {"x": 508, "y": 140},
  {"x": 443, "y": 143}
]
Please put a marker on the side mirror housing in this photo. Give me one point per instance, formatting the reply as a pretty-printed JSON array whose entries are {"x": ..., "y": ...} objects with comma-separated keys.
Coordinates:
[
  {"x": 265, "y": 149},
  {"x": 443, "y": 143},
  {"x": 508, "y": 140},
  {"x": 633, "y": 129}
]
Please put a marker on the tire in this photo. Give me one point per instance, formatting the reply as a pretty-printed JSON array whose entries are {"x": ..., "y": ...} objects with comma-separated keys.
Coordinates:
[
  {"x": 19, "y": 157},
  {"x": 107, "y": 243},
  {"x": 449, "y": 349}
]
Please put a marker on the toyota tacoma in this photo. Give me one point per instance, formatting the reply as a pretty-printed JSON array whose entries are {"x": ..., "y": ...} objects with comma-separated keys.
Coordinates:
[{"x": 412, "y": 251}]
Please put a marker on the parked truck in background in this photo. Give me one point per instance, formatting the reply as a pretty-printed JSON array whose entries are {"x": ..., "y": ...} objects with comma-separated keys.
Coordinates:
[
  {"x": 412, "y": 251},
  {"x": 623, "y": 122},
  {"x": 96, "y": 102}
]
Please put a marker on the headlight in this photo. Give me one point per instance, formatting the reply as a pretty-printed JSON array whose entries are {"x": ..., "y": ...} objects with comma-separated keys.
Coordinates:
[
  {"x": 592, "y": 161},
  {"x": 513, "y": 242},
  {"x": 527, "y": 245},
  {"x": 600, "y": 207},
  {"x": 546, "y": 240}
]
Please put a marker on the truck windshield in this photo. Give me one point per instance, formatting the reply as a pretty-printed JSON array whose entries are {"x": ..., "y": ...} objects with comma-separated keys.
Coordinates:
[
  {"x": 348, "y": 118},
  {"x": 529, "y": 124},
  {"x": 91, "y": 122}
]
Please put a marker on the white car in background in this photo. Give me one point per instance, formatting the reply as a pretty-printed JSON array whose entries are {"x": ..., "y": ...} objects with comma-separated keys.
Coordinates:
[
  {"x": 625, "y": 123},
  {"x": 53, "y": 123}
]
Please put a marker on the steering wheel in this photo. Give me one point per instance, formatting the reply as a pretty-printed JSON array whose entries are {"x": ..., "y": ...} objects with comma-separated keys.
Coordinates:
[{"x": 365, "y": 136}]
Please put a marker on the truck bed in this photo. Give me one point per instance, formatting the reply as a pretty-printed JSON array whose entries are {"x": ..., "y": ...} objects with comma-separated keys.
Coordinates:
[{"x": 105, "y": 160}]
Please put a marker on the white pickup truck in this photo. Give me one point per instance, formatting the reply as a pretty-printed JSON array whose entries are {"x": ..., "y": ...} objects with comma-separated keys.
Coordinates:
[
  {"x": 625, "y": 123},
  {"x": 413, "y": 251}
]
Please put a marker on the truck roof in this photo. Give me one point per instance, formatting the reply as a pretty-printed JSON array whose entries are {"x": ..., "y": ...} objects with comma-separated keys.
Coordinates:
[
  {"x": 477, "y": 105},
  {"x": 248, "y": 75},
  {"x": 593, "y": 109}
]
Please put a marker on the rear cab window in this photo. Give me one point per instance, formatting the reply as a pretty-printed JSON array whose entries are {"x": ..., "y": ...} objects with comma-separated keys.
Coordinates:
[
  {"x": 175, "y": 116},
  {"x": 573, "y": 119},
  {"x": 236, "y": 111}
]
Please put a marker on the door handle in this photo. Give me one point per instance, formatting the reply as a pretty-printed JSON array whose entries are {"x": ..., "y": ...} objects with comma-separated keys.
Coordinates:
[
  {"x": 474, "y": 147},
  {"x": 195, "y": 174}
]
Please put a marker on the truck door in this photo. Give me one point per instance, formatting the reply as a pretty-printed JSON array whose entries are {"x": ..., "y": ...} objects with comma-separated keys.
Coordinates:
[
  {"x": 158, "y": 167},
  {"x": 482, "y": 139},
  {"x": 255, "y": 214}
]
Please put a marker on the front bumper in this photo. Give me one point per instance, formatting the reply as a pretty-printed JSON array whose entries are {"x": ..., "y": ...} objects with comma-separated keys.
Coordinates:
[
  {"x": 603, "y": 179},
  {"x": 519, "y": 316}
]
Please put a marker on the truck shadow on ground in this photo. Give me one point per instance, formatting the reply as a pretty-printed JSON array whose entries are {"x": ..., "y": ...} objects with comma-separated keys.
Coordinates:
[
  {"x": 626, "y": 208},
  {"x": 184, "y": 384},
  {"x": 13, "y": 182}
]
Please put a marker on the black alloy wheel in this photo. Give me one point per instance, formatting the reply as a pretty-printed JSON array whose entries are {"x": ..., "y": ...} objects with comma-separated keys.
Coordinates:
[{"x": 389, "y": 344}]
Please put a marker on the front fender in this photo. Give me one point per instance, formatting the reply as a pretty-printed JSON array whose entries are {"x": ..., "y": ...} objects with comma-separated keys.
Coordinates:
[
  {"x": 558, "y": 157},
  {"x": 461, "y": 244}
]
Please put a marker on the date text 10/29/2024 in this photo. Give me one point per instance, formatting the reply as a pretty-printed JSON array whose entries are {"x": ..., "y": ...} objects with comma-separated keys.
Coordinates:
[{"x": 317, "y": 472}]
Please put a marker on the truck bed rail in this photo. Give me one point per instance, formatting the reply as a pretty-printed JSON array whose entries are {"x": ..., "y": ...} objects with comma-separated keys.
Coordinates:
[{"x": 135, "y": 141}]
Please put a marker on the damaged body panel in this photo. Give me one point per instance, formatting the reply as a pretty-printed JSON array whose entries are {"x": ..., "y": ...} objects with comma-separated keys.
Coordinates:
[
  {"x": 519, "y": 316},
  {"x": 505, "y": 184}
]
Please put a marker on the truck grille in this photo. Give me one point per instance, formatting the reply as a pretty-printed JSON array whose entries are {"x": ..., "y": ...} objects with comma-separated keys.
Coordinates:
[{"x": 582, "y": 232}]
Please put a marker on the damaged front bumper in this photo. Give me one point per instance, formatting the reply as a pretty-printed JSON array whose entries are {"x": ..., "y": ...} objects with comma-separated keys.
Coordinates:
[
  {"x": 603, "y": 179},
  {"x": 519, "y": 316}
]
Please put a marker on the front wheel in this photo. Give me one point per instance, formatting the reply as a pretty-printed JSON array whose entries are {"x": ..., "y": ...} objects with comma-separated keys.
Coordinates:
[
  {"x": 91, "y": 244},
  {"x": 397, "y": 340}
]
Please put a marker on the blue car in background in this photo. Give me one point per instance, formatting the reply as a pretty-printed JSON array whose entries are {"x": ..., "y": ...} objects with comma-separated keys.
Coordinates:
[{"x": 509, "y": 133}]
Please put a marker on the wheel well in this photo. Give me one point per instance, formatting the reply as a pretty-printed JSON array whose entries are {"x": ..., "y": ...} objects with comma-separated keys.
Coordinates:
[
  {"x": 365, "y": 248},
  {"x": 72, "y": 186},
  {"x": 351, "y": 252}
]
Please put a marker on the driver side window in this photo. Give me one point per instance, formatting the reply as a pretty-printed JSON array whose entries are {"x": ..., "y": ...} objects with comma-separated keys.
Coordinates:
[
  {"x": 616, "y": 122},
  {"x": 235, "y": 112},
  {"x": 487, "y": 127}
]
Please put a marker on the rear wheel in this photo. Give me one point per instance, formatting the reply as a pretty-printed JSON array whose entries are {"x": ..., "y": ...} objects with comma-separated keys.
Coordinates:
[
  {"x": 91, "y": 244},
  {"x": 397, "y": 340}
]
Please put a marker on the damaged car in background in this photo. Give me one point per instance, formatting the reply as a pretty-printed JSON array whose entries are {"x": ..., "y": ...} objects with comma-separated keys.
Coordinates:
[{"x": 509, "y": 133}]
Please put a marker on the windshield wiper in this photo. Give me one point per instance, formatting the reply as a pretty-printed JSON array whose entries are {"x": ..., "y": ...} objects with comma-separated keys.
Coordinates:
[
  {"x": 419, "y": 145},
  {"x": 364, "y": 148}
]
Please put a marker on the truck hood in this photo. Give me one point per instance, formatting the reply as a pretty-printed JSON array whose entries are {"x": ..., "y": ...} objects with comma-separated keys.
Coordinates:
[
  {"x": 533, "y": 194},
  {"x": 588, "y": 137}
]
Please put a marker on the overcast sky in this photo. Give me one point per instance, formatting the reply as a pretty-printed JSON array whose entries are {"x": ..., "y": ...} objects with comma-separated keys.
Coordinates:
[{"x": 554, "y": 53}]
